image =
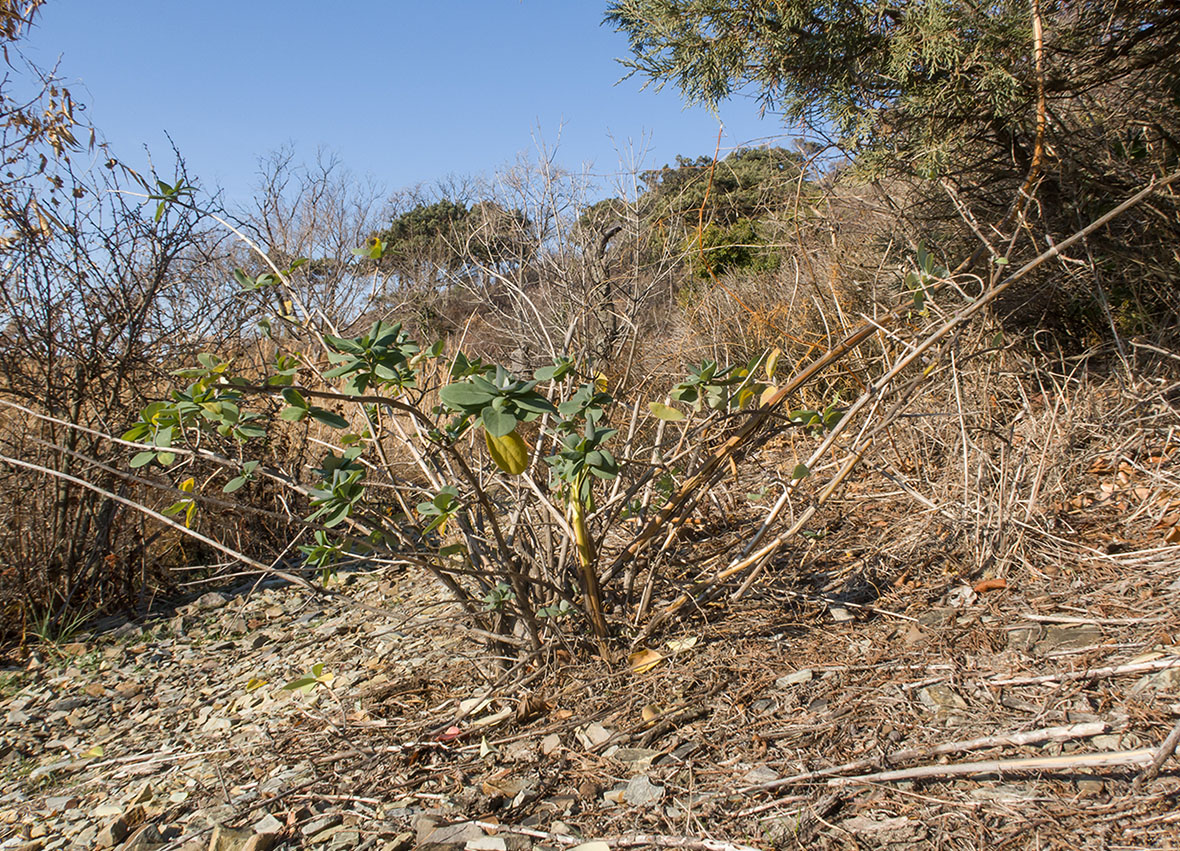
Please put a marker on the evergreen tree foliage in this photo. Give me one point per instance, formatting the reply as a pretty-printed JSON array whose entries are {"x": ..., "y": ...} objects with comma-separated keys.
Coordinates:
[
  {"x": 906, "y": 82},
  {"x": 1077, "y": 103}
]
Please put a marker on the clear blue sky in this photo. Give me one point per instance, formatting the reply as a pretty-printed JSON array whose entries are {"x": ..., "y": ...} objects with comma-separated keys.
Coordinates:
[{"x": 403, "y": 92}]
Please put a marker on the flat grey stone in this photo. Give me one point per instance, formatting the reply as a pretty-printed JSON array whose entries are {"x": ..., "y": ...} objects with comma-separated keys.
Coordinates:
[
  {"x": 941, "y": 698},
  {"x": 892, "y": 830},
  {"x": 1070, "y": 638},
  {"x": 760, "y": 774},
  {"x": 268, "y": 824},
  {"x": 212, "y": 600},
  {"x": 640, "y": 791},
  {"x": 59, "y": 803},
  {"x": 453, "y": 834},
  {"x": 1024, "y": 637},
  {"x": 592, "y": 735},
  {"x": 146, "y": 838},
  {"x": 1167, "y": 680},
  {"x": 345, "y": 839},
  {"x": 635, "y": 756},
  {"x": 229, "y": 838},
  {"x": 320, "y": 824},
  {"x": 487, "y": 843}
]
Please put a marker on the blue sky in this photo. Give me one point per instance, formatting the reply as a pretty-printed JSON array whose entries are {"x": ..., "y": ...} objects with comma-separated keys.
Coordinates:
[{"x": 402, "y": 92}]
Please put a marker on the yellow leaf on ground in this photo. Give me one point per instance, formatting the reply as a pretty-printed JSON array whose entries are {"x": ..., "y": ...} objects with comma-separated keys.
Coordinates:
[{"x": 643, "y": 660}]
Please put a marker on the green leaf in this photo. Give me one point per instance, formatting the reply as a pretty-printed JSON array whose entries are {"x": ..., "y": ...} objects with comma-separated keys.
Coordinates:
[
  {"x": 166, "y": 458},
  {"x": 349, "y": 366},
  {"x": 498, "y": 423},
  {"x": 342, "y": 345},
  {"x": 294, "y": 398},
  {"x": 234, "y": 483},
  {"x": 465, "y": 396},
  {"x": 535, "y": 403},
  {"x": 559, "y": 370},
  {"x": 663, "y": 412},
  {"x": 800, "y": 472},
  {"x": 292, "y": 414},
  {"x": 328, "y": 418},
  {"x": 304, "y": 684},
  {"x": 248, "y": 431}
]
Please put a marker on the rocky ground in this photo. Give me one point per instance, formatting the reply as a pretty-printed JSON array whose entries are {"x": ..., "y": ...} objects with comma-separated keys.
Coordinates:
[
  {"x": 868, "y": 691},
  {"x": 760, "y": 726}
]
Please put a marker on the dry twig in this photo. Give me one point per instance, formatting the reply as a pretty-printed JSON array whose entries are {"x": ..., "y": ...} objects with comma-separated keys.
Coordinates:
[{"x": 1112, "y": 759}]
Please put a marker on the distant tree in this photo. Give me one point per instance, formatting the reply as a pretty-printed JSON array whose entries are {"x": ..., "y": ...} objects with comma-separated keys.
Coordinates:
[
  {"x": 433, "y": 242},
  {"x": 719, "y": 208},
  {"x": 746, "y": 184},
  {"x": 425, "y": 241}
]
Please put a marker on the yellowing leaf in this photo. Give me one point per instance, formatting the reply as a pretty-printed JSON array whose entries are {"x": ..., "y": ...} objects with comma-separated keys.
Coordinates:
[
  {"x": 643, "y": 660},
  {"x": 772, "y": 362},
  {"x": 254, "y": 684},
  {"x": 187, "y": 485},
  {"x": 767, "y": 394},
  {"x": 664, "y": 412},
  {"x": 510, "y": 452},
  {"x": 600, "y": 382},
  {"x": 651, "y": 712},
  {"x": 95, "y": 751}
]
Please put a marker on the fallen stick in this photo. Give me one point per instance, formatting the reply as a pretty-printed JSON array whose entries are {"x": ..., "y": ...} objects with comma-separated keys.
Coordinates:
[
  {"x": 1091, "y": 673},
  {"x": 1113, "y": 759},
  {"x": 636, "y": 840},
  {"x": 1166, "y": 750},
  {"x": 1030, "y": 737},
  {"x": 1075, "y": 620}
]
